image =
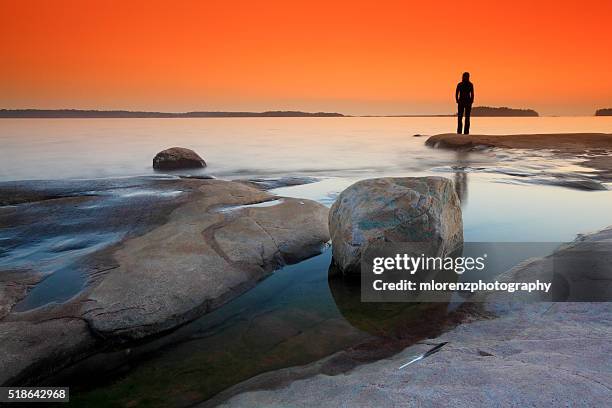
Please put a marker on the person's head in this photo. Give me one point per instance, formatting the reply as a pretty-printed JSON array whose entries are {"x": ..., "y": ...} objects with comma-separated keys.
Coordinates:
[{"x": 465, "y": 77}]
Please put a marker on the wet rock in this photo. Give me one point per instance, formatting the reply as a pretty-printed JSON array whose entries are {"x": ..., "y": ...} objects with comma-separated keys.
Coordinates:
[
  {"x": 457, "y": 142},
  {"x": 271, "y": 183},
  {"x": 403, "y": 209},
  {"x": 571, "y": 180},
  {"x": 173, "y": 256},
  {"x": 574, "y": 143},
  {"x": 201, "y": 258},
  {"x": 532, "y": 354},
  {"x": 176, "y": 158},
  {"x": 30, "y": 350},
  {"x": 540, "y": 357},
  {"x": 14, "y": 286},
  {"x": 583, "y": 184},
  {"x": 580, "y": 271}
]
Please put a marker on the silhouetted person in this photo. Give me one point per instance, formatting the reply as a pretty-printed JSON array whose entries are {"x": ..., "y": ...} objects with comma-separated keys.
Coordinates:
[{"x": 464, "y": 95}]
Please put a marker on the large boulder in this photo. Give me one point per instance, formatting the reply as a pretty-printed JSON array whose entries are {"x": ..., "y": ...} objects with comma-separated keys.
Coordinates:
[
  {"x": 176, "y": 158},
  {"x": 401, "y": 209},
  {"x": 203, "y": 256}
]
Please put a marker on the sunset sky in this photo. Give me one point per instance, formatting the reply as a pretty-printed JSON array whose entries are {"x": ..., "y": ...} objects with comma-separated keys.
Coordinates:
[{"x": 355, "y": 57}]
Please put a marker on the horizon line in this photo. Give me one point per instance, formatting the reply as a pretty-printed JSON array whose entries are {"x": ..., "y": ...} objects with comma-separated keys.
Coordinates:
[{"x": 39, "y": 113}]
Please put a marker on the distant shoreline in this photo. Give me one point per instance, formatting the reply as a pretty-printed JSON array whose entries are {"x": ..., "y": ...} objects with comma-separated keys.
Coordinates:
[
  {"x": 489, "y": 111},
  {"x": 603, "y": 112},
  {"x": 477, "y": 111},
  {"x": 123, "y": 114}
]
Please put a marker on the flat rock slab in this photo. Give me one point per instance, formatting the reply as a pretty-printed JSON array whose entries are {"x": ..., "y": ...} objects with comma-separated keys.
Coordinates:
[
  {"x": 567, "y": 142},
  {"x": 537, "y": 356},
  {"x": 597, "y": 145},
  {"x": 203, "y": 256},
  {"x": 30, "y": 350},
  {"x": 532, "y": 354},
  {"x": 177, "y": 248}
]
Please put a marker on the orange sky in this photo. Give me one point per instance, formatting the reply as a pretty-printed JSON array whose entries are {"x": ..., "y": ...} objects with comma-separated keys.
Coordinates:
[{"x": 370, "y": 57}]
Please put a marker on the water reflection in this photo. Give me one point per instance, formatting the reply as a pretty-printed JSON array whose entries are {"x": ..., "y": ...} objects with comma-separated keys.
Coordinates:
[
  {"x": 393, "y": 322},
  {"x": 461, "y": 177}
]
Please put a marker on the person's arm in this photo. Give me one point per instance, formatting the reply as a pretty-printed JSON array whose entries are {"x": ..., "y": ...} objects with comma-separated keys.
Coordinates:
[
  {"x": 457, "y": 94},
  {"x": 472, "y": 95}
]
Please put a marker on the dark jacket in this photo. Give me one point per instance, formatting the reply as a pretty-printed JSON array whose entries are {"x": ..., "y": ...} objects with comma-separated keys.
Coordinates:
[{"x": 465, "y": 92}]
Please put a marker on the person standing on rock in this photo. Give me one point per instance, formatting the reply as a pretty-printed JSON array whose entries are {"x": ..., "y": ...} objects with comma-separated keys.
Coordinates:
[{"x": 464, "y": 96}]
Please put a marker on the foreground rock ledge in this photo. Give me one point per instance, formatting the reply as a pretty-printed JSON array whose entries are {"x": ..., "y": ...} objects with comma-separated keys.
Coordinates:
[
  {"x": 532, "y": 354},
  {"x": 201, "y": 258},
  {"x": 209, "y": 248},
  {"x": 401, "y": 209}
]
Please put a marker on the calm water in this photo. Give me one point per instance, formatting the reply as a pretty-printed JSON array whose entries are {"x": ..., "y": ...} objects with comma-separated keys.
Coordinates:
[
  {"x": 89, "y": 148},
  {"x": 296, "y": 316},
  {"x": 506, "y": 196}
]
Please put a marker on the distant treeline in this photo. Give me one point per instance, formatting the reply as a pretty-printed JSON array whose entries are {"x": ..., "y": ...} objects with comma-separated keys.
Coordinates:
[
  {"x": 503, "y": 111},
  {"x": 603, "y": 112},
  {"x": 77, "y": 113}
]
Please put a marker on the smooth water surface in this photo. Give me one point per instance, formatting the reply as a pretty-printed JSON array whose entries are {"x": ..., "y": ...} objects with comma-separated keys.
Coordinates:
[{"x": 235, "y": 147}]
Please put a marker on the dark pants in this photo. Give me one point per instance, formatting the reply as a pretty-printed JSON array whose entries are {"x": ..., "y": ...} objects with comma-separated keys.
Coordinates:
[{"x": 467, "y": 108}]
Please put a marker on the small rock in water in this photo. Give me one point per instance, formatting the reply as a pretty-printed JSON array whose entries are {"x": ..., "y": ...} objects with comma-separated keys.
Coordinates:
[{"x": 176, "y": 158}]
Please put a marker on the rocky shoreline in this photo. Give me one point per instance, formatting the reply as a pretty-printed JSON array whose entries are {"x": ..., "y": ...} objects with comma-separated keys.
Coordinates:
[
  {"x": 164, "y": 261},
  {"x": 129, "y": 260},
  {"x": 593, "y": 148}
]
